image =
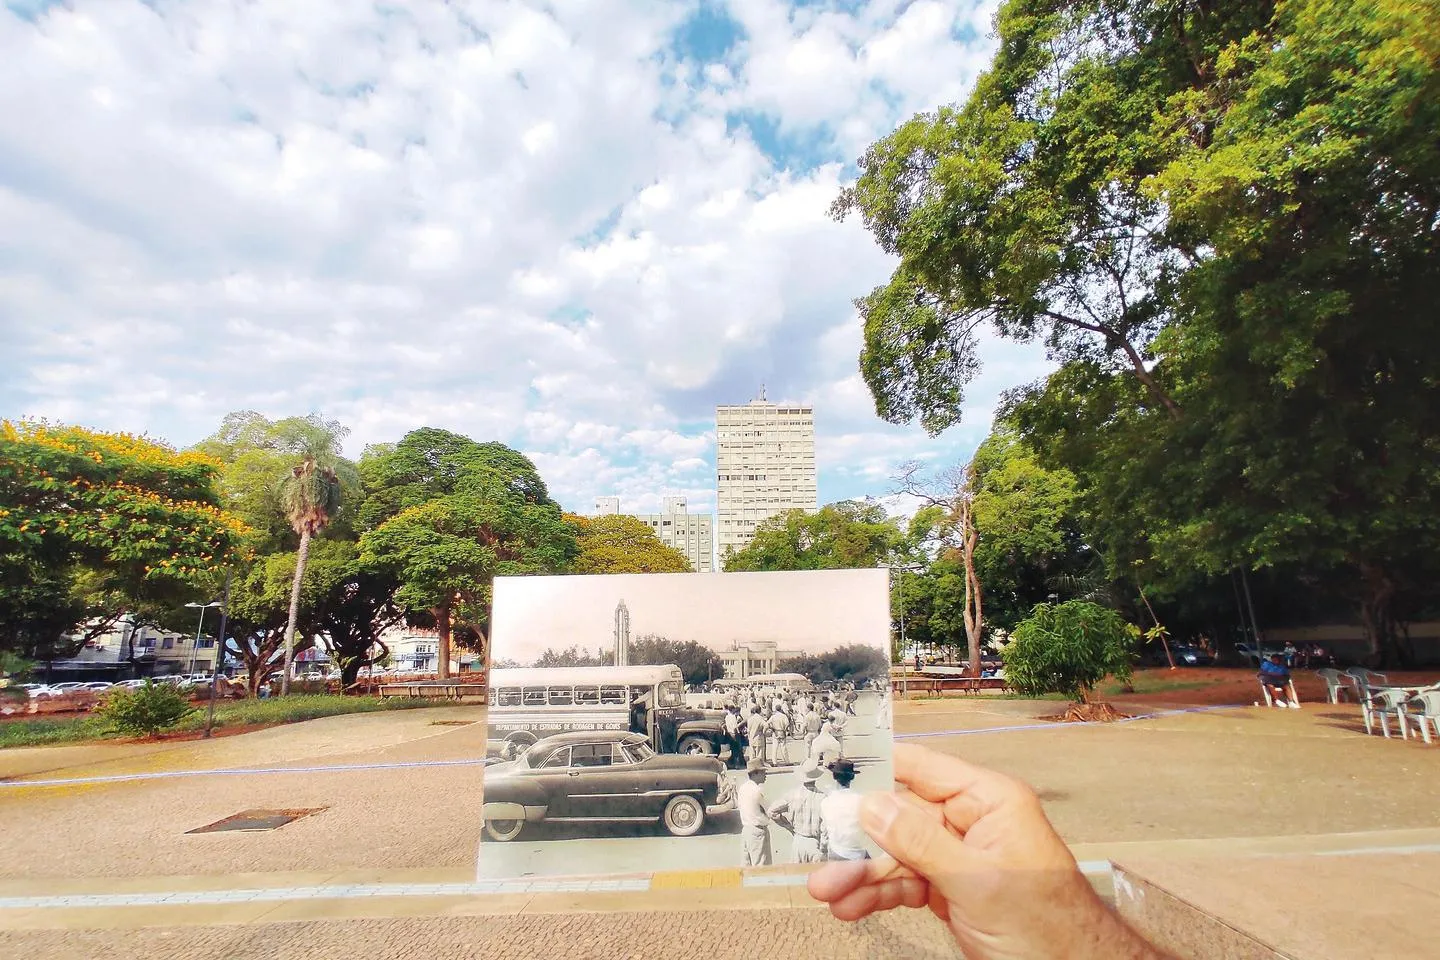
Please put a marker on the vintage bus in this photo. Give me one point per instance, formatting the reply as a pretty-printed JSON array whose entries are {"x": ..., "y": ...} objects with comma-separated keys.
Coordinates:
[
  {"x": 528, "y": 703},
  {"x": 781, "y": 681}
]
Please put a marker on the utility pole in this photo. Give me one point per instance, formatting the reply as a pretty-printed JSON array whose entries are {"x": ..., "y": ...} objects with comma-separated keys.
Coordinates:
[{"x": 219, "y": 656}]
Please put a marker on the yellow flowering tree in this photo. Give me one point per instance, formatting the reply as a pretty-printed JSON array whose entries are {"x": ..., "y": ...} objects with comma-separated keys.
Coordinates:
[{"x": 94, "y": 523}]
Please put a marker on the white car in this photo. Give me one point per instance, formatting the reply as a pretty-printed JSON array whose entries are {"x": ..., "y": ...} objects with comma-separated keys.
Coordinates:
[
  {"x": 36, "y": 690},
  {"x": 132, "y": 684},
  {"x": 69, "y": 686},
  {"x": 99, "y": 686}
]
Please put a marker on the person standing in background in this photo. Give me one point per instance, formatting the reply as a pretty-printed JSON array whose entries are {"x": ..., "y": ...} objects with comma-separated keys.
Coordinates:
[
  {"x": 754, "y": 818},
  {"x": 842, "y": 836}
]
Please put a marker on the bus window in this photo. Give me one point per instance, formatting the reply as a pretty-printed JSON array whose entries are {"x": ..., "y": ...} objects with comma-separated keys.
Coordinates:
[
  {"x": 672, "y": 694},
  {"x": 561, "y": 696},
  {"x": 587, "y": 696},
  {"x": 534, "y": 697},
  {"x": 613, "y": 695},
  {"x": 507, "y": 697}
]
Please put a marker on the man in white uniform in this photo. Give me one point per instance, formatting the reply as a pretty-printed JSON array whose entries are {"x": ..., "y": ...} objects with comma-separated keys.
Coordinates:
[
  {"x": 842, "y": 836},
  {"x": 754, "y": 818}
]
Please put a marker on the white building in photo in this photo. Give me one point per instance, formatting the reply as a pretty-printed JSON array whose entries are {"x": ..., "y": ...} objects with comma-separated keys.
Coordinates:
[
  {"x": 754, "y": 657},
  {"x": 764, "y": 464},
  {"x": 692, "y": 534}
]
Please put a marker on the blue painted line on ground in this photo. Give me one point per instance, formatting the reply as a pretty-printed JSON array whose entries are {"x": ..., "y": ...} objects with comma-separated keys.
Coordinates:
[
  {"x": 973, "y": 731},
  {"x": 240, "y": 771}
]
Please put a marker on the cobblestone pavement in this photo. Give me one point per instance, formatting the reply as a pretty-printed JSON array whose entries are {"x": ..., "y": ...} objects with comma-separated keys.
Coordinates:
[{"x": 717, "y": 935}]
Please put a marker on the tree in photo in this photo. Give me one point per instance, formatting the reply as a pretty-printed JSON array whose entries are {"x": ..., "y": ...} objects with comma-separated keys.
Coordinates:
[
  {"x": 697, "y": 662},
  {"x": 570, "y": 657},
  {"x": 1069, "y": 648},
  {"x": 97, "y": 525},
  {"x": 856, "y": 662},
  {"x": 616, "y": 543}
]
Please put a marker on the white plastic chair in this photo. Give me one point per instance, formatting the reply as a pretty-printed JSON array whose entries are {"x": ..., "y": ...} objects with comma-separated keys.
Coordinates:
[
  {"x": 1424, "y": 708},
  {"x": 1289, "y": 688},
  {"x": 1384, "y": 704},
  {"x": 1334, "y": 685}
]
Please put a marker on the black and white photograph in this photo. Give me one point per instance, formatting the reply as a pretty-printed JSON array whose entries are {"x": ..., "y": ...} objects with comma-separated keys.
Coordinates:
[{"x": 650, "y": 722}]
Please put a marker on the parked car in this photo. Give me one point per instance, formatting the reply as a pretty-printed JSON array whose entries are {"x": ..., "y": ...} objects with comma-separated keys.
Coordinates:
[
  {"x": 131, "y": 684},
  {"x": 605, "y": 776},
  {"x": 36, "y": 690},
  {"x": 69, "y": 686},
  {"x": 99, "y": 686},
  {"x": 1249, "y": 653}
]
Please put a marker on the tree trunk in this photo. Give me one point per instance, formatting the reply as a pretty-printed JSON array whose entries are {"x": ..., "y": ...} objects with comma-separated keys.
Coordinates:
[
  {"x": 1377, "y": 614},
  {"x": 300, "y": 557},
  {"x": 974, "y": 619},
  {"x": 442, "y": 631}
]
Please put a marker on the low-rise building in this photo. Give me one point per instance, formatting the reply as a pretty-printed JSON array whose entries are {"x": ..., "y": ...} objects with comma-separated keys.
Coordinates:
[
  {"x": 754, "y": 657},
  {"x": 692, "y": 534}
]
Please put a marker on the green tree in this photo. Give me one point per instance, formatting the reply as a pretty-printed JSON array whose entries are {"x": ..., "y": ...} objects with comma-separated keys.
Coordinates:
[
  {"x": 95, "y": 525},
  {"x": 615, "y": 543},
  {"x": 467, "y": 512},
  {"x": 310, "y": 496},
  {"x": 1068, "y": 648},
  {"x": 571, "y": 657},
  {"x": 845, "y": 535}
]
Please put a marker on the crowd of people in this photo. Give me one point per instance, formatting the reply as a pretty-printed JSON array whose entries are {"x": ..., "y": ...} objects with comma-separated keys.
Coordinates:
[
  {"x": 824, "y": 824},
  {"x": 774, "y": 724}
]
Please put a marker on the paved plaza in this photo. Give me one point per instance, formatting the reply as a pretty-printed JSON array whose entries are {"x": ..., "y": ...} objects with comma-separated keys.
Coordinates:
[{"x": 387, "y": 867}]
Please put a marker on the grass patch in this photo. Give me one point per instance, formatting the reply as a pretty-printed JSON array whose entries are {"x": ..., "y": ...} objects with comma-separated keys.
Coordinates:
[
  {"x": 1149, "y": 685},
  {"x": 46, "y": 731}
]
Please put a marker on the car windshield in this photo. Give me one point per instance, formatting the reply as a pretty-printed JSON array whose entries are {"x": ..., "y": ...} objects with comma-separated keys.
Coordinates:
[{"x": 672, "y": 694}]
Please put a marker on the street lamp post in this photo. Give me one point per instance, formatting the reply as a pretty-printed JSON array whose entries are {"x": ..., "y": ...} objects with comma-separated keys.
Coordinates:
[
  {"x": 199, "y": 627},
  {"x": 219, "y": 656}
]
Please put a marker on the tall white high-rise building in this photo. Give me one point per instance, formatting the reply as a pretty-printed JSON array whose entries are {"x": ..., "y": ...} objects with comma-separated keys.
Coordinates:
[
  {"x": 764, "y": 464},
  {"x": 693, "y": 534}
]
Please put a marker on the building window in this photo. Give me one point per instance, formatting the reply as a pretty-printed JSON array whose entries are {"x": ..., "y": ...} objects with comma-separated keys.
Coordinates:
[{"x": 167, "y": 643}]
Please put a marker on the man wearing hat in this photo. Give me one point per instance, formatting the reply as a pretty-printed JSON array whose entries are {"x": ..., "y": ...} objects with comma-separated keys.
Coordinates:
[
  {"x": 799, "y": 812},
  {"x": 754, "y": 818},
  {"x": 842, "y": 837}
]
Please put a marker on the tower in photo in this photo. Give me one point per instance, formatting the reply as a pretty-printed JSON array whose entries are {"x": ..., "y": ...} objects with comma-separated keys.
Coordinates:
[
  {"x": 764, "y": 465},
  {"x": 622, "y": 635}
]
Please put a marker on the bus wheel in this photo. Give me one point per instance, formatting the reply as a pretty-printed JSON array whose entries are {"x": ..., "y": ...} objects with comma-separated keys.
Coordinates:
[
  {"x": 684, "y": 816},
  {"x": 696, "y": 747},
  {"x": 503, "y": 830}
]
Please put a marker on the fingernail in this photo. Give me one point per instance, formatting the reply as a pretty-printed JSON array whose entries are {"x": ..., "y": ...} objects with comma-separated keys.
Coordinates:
[{"x": 878, "y": 811}]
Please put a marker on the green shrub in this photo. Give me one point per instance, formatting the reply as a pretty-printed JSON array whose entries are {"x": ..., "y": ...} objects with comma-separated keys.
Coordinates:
[
  {"x": 1068, "y": 648},
  {"x": 146, "y": 710}
]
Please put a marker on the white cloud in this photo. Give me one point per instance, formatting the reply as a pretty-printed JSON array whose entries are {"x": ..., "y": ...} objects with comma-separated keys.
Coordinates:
[{"x": 534, "y": 223}]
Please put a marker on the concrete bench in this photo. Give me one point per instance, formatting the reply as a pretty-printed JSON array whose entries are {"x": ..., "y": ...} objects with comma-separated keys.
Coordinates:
[{"x": 434, "y": 690}]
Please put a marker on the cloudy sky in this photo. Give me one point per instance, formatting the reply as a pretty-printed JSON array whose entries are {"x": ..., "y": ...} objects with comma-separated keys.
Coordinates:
[
  {"x": 806, "y": 610},
  {"x": 573, "y": 227}
]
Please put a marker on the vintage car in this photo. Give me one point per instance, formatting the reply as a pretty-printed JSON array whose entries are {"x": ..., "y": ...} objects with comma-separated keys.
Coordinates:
[{"x": 603, "y": 776}]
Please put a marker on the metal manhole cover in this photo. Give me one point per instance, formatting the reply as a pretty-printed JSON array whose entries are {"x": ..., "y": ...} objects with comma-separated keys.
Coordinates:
[{"x": 256, "y": 820}]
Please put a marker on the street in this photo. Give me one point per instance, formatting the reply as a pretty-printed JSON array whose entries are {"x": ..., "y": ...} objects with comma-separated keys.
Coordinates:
[{"x": 579, "y": 849}]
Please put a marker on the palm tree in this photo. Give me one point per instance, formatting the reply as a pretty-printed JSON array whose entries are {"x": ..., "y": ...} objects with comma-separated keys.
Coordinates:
[{"x": 310, "y": 496}]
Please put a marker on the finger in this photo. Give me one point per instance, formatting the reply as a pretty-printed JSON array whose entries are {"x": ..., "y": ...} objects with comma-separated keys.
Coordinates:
[
  {"x": 967, "y": 791},
  {"x": 913, "y": 837},
  {"x": 909, "y": 891},
  {"x": 835, "y": 879}
]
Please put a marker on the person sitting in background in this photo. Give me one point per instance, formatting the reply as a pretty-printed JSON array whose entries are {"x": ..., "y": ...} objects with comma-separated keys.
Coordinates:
[{"x": 1274, "y": 675}]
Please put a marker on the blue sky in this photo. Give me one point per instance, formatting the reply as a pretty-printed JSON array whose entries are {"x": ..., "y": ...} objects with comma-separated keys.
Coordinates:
[{"x": 571, "y": 227}]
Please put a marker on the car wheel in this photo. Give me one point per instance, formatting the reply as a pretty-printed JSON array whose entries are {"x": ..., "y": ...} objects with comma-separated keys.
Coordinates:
[
  {"x": 503, "y": 830},
  {"x": 696, "y": 747},
  {"x": 684, "y": 816}
]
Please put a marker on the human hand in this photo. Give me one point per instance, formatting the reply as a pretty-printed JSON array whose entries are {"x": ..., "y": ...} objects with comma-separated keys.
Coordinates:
[{"x": 976, "y": 847}]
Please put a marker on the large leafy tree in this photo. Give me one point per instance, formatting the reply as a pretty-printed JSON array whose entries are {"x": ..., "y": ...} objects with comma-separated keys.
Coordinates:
[
  {"x": 95, "y": 525},
  {"x": 845, "y": 535},
  {"x": 464, "y": 513},
  {"x": 856, "y": 662},
  {"x": 1069, "y": 648},
  {"x": 1201, "y": 208},
  {"x": 697, "y": 662},
  {"x": 615, "y": 543}
]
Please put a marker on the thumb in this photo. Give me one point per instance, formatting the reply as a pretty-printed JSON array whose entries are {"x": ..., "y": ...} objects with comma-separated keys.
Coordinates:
[{"x": 913, "y": 837}]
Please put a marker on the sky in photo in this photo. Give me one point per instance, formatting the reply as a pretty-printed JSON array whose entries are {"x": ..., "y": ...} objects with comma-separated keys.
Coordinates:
[
  {"x": 808, "y": 610},
  {"x": 572, "y": 227}
]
